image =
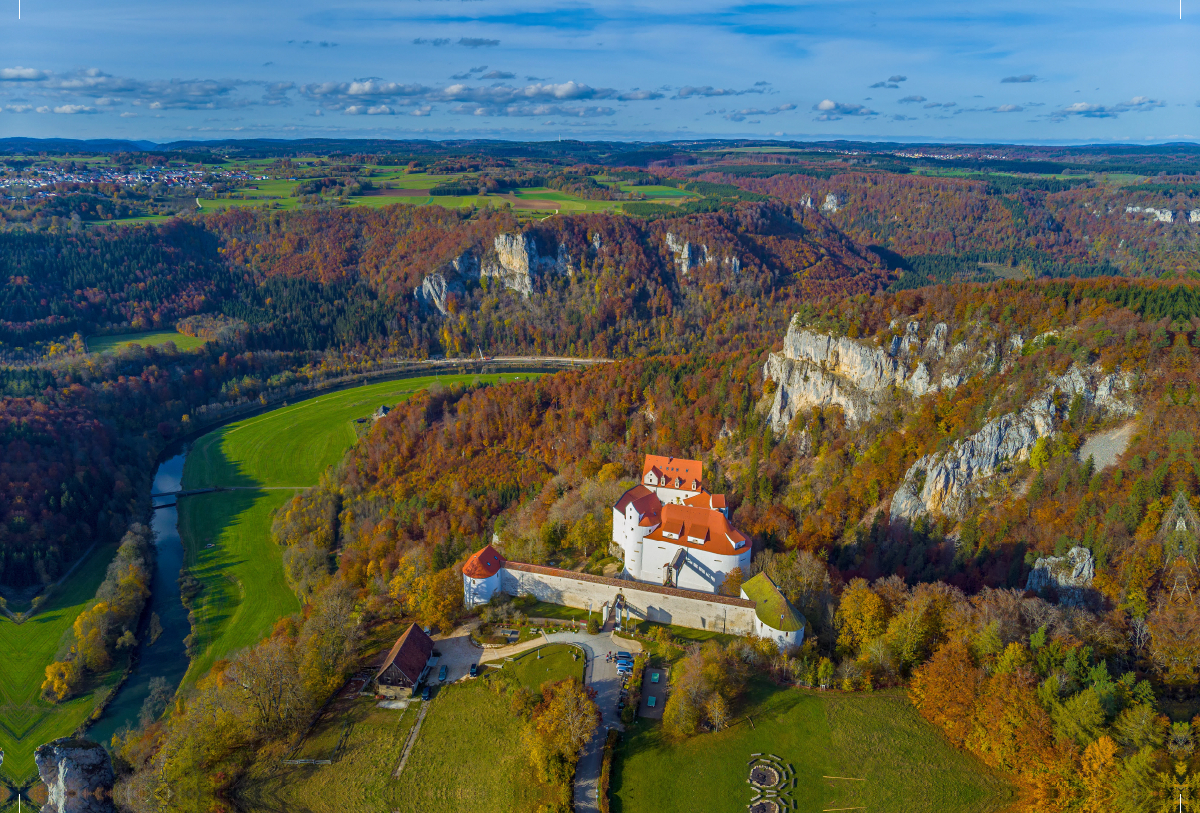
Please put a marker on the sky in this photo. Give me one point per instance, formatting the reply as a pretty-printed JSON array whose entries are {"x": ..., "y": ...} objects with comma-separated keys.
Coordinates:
[{"x": 980, "y": 71}]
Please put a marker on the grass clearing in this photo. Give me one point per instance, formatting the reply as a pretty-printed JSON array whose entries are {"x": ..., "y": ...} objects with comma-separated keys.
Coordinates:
[
  {"x": 468, "y": 758},
  {"x": 557, "y": 612},
  {"x": 686, "y": 633},
  {"x": 908, "y": 767},
  {"x": 264, "y": 460},
  {"x": 150, "y": 338},
  {"x": 26, "y": 720},
  {"x": 557, "y": 662},
  {"x": 360, "y": 777}
]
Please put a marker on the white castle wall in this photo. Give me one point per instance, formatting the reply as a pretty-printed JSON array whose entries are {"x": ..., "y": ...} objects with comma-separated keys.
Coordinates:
[{"x": 663, "y": 605}]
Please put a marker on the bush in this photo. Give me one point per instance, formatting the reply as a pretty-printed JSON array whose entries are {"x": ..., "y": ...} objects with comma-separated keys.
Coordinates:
[{"x": 593, "y": 626}]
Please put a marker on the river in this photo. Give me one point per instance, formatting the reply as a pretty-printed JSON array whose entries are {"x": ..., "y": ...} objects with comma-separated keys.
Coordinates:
[{"x": 166, "y": 657}]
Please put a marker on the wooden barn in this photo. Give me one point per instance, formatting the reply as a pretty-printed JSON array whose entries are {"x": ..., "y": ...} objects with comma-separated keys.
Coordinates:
[{"x": 405, "y": 664}]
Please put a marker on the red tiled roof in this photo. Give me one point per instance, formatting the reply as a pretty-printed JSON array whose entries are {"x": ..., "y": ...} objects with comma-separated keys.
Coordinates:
[
  {"x": 410, "y": 654},
  {"x": 680, "y": 472},
  {"x": 631, "y": 585},
  {"x": 645, "y": 502},
  {"x": 706, "y": 500},
  {"x": 483, "y": 563},
  {"x": 702, "y": 523}
]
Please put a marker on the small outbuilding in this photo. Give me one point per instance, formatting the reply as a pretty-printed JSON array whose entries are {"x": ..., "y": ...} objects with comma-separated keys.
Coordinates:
[
  {"x": 408, "y": 660},
  {"x": 383, "y": 410},
  {"x": 481, "y": 576},
  {"x": 776, "y": 618}
]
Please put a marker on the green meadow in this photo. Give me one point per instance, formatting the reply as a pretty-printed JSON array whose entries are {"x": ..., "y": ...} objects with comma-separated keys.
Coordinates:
[
  {"x": 867, "y": 751},
  {"x": 263, "y": 461},
  {"x": 150, "y": 338},
  {"x": 26, "y": 720}
]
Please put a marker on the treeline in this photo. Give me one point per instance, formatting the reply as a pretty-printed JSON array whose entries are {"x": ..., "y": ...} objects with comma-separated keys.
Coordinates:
[
  {"x": 106, "y": 629},
  {"x": 268, "y": 693}
]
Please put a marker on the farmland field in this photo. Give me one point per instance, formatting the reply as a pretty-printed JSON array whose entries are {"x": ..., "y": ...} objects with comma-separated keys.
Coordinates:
[
  {"x": 882, "y": 755},
  {"x": 151, "y": 338},
  {"x": 263, "y": 460},
  {"x": 27, "y": 721}
]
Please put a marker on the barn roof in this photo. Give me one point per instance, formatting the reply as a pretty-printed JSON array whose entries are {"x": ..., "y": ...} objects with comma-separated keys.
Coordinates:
[{"x": 410, "y": 653}]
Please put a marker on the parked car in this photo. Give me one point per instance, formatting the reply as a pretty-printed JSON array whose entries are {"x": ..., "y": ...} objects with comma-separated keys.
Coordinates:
[
  {"x": 425, "y": 695},
  {"x": 442, "y": 674},
  {"x": 624, "y": 655},
  {"x": 474, "y": 670},
  {"x": 624, "y": 670}
]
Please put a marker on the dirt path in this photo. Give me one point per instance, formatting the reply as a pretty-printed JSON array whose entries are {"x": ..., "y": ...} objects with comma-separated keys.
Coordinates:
[{"x": 412, "y": 739}]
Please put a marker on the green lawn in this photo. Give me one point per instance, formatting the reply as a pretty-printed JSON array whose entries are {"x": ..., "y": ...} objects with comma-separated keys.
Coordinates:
[
  {"x": 543, "y": 609},
  {"x": 151, "y": 338},
  {"x": 27, "y": 721},
  {"x": 686, "y": 633},
  {"x": 555, "y": 664},
  {"x": 359, "y": 779},
  {"x": 904, "y": 763},
  {"x": 266, "y": 459},
  {"x": 468, "y": 758}
]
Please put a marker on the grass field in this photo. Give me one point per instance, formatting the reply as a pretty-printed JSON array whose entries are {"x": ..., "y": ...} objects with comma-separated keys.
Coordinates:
[
  {"x": 226, "y": 535},
  {"x": 687, "y": 634},
  {"x": 152, "y": 338},
  {"x": 904, "y": 763},
  {"x": 359, "y": 779},
  {"x": 27, "y": 721},
  {"x": 468, "y": 758},
  {"x": 556, "y": 663}
]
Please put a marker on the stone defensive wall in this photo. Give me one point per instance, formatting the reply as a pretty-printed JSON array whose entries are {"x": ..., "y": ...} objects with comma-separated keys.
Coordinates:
[{"x": 664, "y": 605}]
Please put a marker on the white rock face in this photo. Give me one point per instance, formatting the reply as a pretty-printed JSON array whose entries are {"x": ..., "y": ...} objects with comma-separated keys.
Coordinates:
[
  {"x": 831, "y": 204},
  {"x": 947, "y": 482},
  {"x": 687, "y": 255},
  {"x": 436, "y": 288},
  {"x": 517, "y": 261},
  {"x": 1070, "y": 575},
  {"x": 1161, "y": 215},
  {"x": 78, "y": 776},
  {"x": 815, "y": 369}
]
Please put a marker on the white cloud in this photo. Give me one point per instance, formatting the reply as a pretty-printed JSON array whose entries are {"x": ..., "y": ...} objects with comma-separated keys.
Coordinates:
[
  {"x": 911, "y": 99},
  {"x": 830, "y": 110},
  {"x": 1009, "y": 108},
  {"x": 19, "y": 74},
  {"x": 1022, "y": 79},
  {"x": 709, "y": 90},
  {"x": 740, "y": 115}
]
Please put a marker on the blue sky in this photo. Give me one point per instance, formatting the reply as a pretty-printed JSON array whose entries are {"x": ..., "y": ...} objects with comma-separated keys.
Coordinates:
[{"x": 987, "y": 70}]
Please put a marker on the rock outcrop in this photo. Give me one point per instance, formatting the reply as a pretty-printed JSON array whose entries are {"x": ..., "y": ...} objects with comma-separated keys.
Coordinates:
[
  {"x": 78, "y": 776},
  {"x": 1071, "y": 575},
  {"x": 815, "y": 369},
  {"x": 687, "y": 255},
  {"x": 831, "y": 204},
  {"x": 517, "y": 261},
  {"x": 946, "y": 482}
]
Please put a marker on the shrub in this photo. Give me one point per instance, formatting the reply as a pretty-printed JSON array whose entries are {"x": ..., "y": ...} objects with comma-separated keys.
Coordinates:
[{"x": 593, "y": 626}]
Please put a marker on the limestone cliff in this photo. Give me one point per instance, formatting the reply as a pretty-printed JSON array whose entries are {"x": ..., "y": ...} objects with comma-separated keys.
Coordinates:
[
  {"x": 78, "y": 776},
  {"x": 436, "y": 288},
  {"x": 687, "y": 255},
  {"x": 946, "y": 482},
  {"x": 816, "y": 369},
  {"x": 516, "y": 261}
]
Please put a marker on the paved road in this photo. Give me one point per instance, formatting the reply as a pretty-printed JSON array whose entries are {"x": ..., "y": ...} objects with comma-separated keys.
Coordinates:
[{"x": 459, "y": 652}]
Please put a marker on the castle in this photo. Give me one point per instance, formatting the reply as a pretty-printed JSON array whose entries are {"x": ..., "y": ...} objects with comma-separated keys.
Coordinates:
[
  {"x": 672, "y": 531},
  {"x": 678, "y": 547}
]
